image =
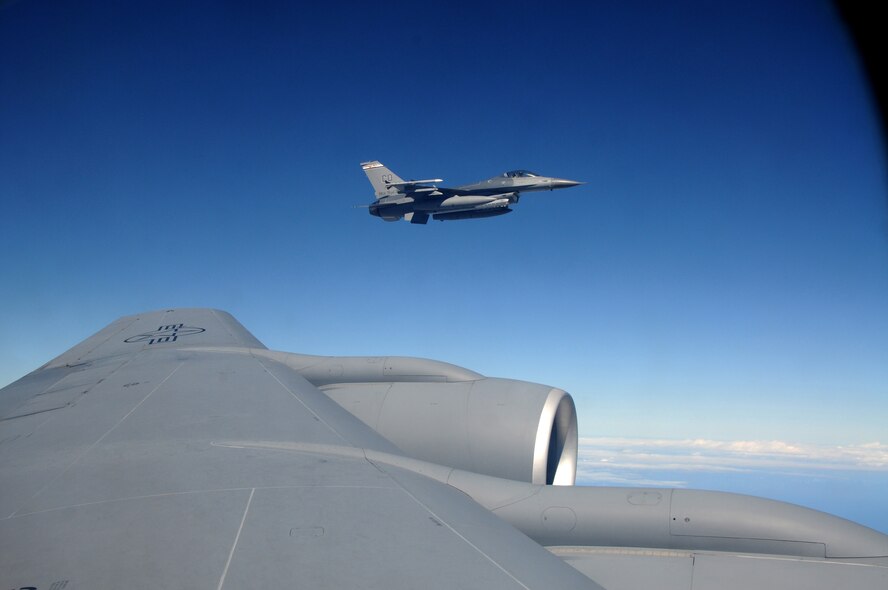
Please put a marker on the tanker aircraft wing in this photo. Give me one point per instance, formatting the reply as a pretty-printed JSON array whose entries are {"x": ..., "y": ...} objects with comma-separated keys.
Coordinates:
[{"x": 173, "y": 450}]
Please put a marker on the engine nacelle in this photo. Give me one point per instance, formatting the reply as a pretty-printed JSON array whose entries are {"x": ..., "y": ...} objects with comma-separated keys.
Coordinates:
[
  {"x": 448, "y": 415},
  {"x": 509, "y": 429}
]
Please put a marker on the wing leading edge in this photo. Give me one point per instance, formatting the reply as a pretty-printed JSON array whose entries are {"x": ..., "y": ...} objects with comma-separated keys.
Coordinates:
[{"x": 147, "y": 471}]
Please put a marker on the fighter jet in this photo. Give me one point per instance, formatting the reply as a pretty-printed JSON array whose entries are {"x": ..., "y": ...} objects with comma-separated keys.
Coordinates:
[{"x": 415, "y": 200}]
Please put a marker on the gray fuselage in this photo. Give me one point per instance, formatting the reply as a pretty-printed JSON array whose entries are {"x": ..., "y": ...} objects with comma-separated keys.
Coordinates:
[{"x": 417, "y": 200}]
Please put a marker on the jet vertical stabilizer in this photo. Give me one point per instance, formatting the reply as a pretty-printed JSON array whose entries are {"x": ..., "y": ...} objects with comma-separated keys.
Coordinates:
[{"x": 380, "y": 177}]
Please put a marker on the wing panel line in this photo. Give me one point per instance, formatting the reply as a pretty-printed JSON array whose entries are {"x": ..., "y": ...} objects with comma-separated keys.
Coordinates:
[
  {"x": 236, "y": 538},
  {"x": 449, "y": 527},
  {"x": 304, "y": 405},
  {"x": 101, "y": 438}
]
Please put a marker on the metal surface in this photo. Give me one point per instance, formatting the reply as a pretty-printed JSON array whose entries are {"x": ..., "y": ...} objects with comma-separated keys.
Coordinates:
[
  {"x": 500, "y": 427},
  {"x": 132, "y": 485},
  {"x": 171, "y": 449},
  {"x": 416, "y": 200}
]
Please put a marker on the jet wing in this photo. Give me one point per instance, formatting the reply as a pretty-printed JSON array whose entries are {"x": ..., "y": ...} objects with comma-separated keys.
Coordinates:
[{"x": 166, "y": 452}]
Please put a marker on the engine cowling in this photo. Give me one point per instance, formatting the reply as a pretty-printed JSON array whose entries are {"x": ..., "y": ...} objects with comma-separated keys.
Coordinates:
[{"x": 451, "y": 416}]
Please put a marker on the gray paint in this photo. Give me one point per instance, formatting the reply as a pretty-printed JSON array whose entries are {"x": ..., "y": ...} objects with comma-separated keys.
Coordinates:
[
  {"x": 134, "y": 485},
  {"x": 499, "y": 427},
  {"x": 629, "y": 569},
  {"x": 171, "y": 449},
  {"x": 417, "y": 200}
]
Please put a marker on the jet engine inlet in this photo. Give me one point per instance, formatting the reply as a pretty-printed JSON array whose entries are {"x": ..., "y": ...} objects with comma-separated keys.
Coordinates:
[{"x": 555, "y": 452}]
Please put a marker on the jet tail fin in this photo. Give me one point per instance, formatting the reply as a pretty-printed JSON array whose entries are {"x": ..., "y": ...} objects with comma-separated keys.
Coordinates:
[{"x": 380, "y": 177}]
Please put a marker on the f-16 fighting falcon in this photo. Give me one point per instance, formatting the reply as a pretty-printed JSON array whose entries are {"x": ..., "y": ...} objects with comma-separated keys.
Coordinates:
[{"x": 415, "y": 200}]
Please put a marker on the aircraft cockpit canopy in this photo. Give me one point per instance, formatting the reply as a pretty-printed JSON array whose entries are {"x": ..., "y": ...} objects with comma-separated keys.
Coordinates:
[{"x": 520, "y": 174}]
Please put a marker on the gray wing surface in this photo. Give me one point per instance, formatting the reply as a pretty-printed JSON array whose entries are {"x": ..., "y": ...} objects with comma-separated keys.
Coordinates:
[{"x": 163, "y": 453}]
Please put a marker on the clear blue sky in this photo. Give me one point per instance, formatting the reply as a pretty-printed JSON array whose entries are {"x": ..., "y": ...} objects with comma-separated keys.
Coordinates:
[{"x": 723, "y": 275}]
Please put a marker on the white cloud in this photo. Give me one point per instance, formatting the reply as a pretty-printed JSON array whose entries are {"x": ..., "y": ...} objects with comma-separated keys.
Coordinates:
[{"x": 626, "y": 460}]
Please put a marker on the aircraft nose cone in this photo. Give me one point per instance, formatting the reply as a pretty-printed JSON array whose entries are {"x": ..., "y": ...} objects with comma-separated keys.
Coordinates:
[{"x": 564, "y": 183}]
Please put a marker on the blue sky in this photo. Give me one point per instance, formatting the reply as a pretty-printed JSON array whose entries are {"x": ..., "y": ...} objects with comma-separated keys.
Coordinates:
[{"x": 723, "y": 274}]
